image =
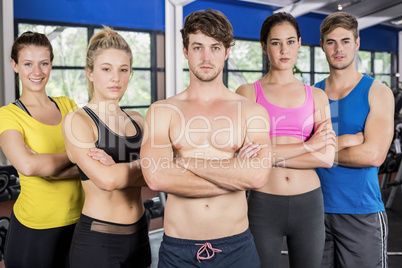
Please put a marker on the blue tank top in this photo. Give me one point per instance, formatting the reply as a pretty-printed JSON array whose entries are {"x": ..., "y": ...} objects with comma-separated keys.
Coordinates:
[
  {"x": 350, "y": 190},
  {"x": 122, "y": 149}
]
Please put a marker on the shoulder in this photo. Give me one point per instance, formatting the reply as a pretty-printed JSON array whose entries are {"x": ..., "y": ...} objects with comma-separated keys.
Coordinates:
[
  {"x": 66, "y": 103},
  {"x": 136, "y": 116},
  {"x": 247, "y": 90},
  {"x": 380, "y": 92},
  {"x": 319, "y": 94},
  {"x": 79, "y": 129}
]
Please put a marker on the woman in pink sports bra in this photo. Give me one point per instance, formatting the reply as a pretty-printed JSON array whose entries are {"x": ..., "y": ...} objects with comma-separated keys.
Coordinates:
[{"x": 290, "y": 205}]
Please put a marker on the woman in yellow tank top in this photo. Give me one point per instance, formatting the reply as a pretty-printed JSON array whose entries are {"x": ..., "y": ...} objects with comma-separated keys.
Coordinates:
[{"x": 51, "y": 198}]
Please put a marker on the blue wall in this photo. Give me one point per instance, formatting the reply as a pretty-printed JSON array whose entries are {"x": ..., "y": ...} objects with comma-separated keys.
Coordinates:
[
  {"x": 147, "y": 15},
  {"x": 246, "y": 18}
]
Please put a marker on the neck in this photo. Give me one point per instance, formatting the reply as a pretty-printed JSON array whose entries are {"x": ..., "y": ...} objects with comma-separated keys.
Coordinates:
[
  {"x": 345, "y": 77},
  {"x": 206, "y": 91},
  {"x": 279, "y": 76},
  {"x": 109, "y": 107},
  {"x": 34, "y": 97}
]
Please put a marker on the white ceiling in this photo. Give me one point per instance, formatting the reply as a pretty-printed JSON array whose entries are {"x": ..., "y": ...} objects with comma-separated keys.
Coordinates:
[{"x": 368, "y": 12}]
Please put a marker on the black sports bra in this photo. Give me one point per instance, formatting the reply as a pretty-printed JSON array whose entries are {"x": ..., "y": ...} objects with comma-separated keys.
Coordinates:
[{"x": 120, "y": 148}]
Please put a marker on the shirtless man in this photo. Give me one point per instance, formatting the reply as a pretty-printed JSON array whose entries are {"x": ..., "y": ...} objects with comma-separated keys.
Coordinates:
[{"x": 188, "y": 151}]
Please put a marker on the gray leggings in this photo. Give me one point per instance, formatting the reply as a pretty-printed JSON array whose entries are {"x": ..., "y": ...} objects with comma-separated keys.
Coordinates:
[{"x": 298, "y": 217}]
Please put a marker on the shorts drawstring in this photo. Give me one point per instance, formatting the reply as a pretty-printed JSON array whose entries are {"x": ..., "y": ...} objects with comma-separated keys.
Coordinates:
[{"x": 204, "y": 248}]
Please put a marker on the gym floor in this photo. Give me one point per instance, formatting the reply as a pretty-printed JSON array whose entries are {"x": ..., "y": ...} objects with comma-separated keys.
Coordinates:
[{"x": 394, "y": 223}]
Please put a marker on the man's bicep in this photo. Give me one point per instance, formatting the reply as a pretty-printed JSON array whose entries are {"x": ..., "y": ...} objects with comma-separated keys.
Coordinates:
[
  {"x": 379, "y": 127},
  {"x": 258, "y": 128}
]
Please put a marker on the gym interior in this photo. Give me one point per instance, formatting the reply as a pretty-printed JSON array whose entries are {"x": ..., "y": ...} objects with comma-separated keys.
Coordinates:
[{"x": 152, "y": 28}]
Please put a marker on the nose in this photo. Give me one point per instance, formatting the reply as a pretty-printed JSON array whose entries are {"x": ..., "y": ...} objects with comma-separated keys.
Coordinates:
[
  {"x": 115, "y": 76},
  {"x": 284, "y": 49},
  {"x": 37, "y": 70},
  {"x": 338, "y": 47},
  {"x": 206, "y": 55}
]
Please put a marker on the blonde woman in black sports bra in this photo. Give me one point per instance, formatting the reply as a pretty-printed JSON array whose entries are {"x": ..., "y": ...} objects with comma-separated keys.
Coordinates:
[{"x": 112, "y": 230}]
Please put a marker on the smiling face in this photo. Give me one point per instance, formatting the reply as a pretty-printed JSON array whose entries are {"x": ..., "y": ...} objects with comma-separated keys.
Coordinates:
[
  {"x": 282, "y": 46},
  {"x": 111, "y": 74},
  {"x": 34, "y": 66},
  {"x": 206, "y": 57},
  {"x": 340, "y": 47}
]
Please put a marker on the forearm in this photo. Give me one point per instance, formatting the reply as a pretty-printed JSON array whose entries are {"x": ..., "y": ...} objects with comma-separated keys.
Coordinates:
[
  {"x": 68, "y": 172},
  {"x": 282, "y": 152},
  {"x": 322, "y": 158},
  {"x": 44, "y": 165},
  {"x": 181, "y": 182},
  {"x": 235, "y": 174},
  {"x": 360, "y": 156}
]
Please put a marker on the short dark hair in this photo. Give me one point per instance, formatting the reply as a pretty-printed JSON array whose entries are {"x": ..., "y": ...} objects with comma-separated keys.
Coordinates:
[
  {"x": 212, "y": 23},
  {"x": 275, "y": 19},
  {"x": 30, "y": 39},
  {"x": 339, "y": 19}
]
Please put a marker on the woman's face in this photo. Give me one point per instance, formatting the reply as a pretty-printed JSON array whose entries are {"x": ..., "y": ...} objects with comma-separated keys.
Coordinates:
[
  {"x": 111, "y": 74},
  {"x": 34, "y": 66},
  {"x": 282, "y": 46}
]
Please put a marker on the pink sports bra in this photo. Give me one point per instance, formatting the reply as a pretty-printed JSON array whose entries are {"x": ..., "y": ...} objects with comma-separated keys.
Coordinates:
[{"x": 296, "y": 122}]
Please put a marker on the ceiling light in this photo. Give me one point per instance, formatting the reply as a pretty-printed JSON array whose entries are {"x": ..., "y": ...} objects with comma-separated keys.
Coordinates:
[
  {"x": 339, "y": 7},
  {"x": 396, "y": 22}
]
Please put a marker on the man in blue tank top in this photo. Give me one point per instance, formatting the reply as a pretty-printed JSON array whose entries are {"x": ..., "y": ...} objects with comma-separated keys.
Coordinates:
[{"x": 362, "y": 111}]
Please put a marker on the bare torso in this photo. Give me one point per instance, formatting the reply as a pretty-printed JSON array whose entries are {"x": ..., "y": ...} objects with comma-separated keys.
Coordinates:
[{"x": 204, "y": 131}]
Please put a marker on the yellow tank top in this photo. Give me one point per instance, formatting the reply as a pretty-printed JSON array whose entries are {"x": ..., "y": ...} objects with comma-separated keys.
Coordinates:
[{"x": 44, "y": 202}]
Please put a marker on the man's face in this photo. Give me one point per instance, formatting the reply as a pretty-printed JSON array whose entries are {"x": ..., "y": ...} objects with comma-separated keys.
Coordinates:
[
  {"x": 206, "y": 57},
  {"x": 340, "y": 48}
]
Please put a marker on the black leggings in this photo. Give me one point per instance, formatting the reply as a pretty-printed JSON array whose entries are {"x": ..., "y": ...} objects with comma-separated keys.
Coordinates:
[
  {"x": 298, "y": 217},
  {"x": 104, "y": 244},
  {"x": 45, "y": 248}
]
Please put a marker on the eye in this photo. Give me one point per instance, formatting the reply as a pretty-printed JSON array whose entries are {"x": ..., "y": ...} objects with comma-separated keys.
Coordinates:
[
  {"x": 27, "y": 64},
  {"x": 197, "y": 48},
  {"x": 45, "y": 63},
  {"x": 275, "y": 43},
  {"x": 105, "y": 69},
  {"x": 291, "y": 42},
  {"x": 216, "y": 48},
  {"x": 124, "y": 70}
]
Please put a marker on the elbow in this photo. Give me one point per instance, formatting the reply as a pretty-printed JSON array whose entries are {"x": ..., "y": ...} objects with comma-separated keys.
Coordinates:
[
  {"x": 376, "y": 159},
  {"x": 153, "y": 182},
  {"x": 27, "y": 170},
  {"x": 259, "y": 180},
  {"x": 108, "y": 185}
]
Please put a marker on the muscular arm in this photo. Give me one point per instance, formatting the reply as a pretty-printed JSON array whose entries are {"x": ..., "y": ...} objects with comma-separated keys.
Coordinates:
[
  {"x": 378, "y": 131},
  {"x": 79, "y": 138},
  {"x": 28, "y": 163},
  {"x": 160, "y": 171},
  {"x": 239, "y": 174},
  {"x": 321, "y": 151}
]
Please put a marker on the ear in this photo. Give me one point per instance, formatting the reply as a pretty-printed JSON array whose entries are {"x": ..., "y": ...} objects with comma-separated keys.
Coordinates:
[
  {"x": 185, "y": 52},
  {"x": 299, "y": 43},
  {"x": 227, "y": 53},
  {"x": 89, "y": 75},
  {"x": 264, "y": 47},
  {"x": 357, "y": 43},
  {"x": 15, "y": 66},
  {"x": 321, "y": 45}
]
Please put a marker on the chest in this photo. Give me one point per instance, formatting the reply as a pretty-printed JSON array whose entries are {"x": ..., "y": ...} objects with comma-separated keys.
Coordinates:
[{"x": 206, "y": 129}]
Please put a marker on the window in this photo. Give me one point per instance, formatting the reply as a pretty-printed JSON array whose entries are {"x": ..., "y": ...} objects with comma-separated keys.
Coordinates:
[{"x": 68, "y": 76}]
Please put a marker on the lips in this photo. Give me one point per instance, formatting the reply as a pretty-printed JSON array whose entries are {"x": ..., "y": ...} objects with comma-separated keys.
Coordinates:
[
  {"x": 115, "y": 88},
  {"x": 36, "y": 80}
]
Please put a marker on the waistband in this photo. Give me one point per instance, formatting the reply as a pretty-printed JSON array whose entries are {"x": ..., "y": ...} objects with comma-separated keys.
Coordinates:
[
  {"x": 307, "y": 195},
  {"x": 229, "y": 240},
  {"x": 111, "y": 227}
]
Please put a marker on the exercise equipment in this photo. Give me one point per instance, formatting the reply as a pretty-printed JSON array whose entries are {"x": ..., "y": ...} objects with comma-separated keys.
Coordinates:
[
  {"x": 4, "y": 179},
  {"x": 4, "y": 224}
]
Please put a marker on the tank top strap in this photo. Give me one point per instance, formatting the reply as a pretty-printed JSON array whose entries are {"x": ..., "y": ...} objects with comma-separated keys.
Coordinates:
[
  {"x": 91, "y": 114},
  {"x": 309, "y": 94},
  {"x": 137, "y": 127},
  {"x": 259, "y": 93}
]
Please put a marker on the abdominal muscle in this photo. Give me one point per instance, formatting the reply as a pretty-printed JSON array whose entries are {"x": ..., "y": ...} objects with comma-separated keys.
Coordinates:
[
  {"x": 117, "y": 206},
  {"x": 206, "y": 218},
  {"x": 290, "y": 181}
]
